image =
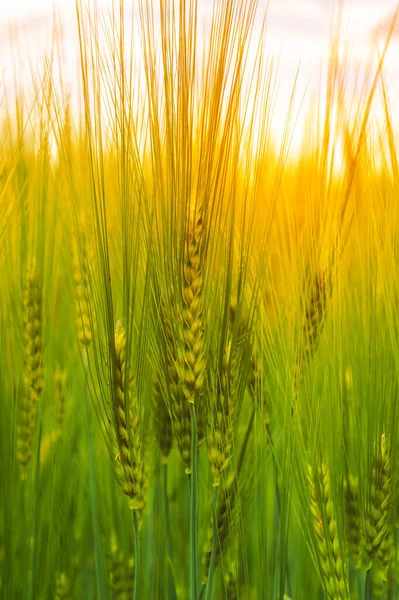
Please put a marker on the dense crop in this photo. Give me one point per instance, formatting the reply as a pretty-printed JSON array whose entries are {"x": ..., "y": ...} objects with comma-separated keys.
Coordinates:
[{"x": 199, "y": 333}]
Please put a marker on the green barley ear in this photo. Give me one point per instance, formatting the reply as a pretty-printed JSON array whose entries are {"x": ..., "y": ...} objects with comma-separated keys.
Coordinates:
[
  {"x": 352, "y": 519},
  {"x": 349, "y": 380},
  {"x": 229, "y": 388},
  {"x": 324, "y": 526},
  {"x": 121, "y": 573},
  {"x": 142, "y": 494},
  {"x": 230, "y": 583},
  {"x": 60, "y": 396},
  {"x": 32, "y": 331},
  {"x": 254, "y": 383},
  {"x": 126, "y": 419},
  {"x": 226, "y": 514},
  {"x": 255, "y": 388},
  {"x": 377, "y": 585},
  {"x": 386, "y": 554},
  {"x": 314, "y": 314},
  {"x": 222, "y": 415},
  {"x": 81, "y": 279},
  {"x": 63, "y": 587},
  {"x": 162, "y": 421},
  {"x": 184, "y": 357},
  {"x": 33, "y": 363},
  {"x": 176, "y": 405},
  {"x": 377, "y": 526}
]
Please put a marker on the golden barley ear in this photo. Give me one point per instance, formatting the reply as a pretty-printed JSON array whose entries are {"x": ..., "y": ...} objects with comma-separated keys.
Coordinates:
[
  {"x": 186, "y": 355},
  {"x": 33, "y": 363},
  {"x": 191, "y": 357},
  {"x": 126, "y": 421}
]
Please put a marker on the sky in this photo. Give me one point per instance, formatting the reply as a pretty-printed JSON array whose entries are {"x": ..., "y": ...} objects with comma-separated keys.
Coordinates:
[{"x": 298, "y": 36}]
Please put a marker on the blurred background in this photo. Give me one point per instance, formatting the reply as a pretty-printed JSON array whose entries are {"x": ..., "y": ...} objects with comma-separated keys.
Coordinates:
[{"x": 298, "y": 40}]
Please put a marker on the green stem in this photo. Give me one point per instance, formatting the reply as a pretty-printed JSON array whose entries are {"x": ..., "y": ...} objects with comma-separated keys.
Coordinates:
[
  {"x": 101, "y": 588},
  {"x": 212, "y": 563},
  {"x": 136, "y": 590},
  {"x": 171, "y": 583},
  {"x": 396, "y": 581},
  {"x": 241, "y": 457},
  {"x": 358, "y": 582},
  {"x": 278, "y": 511},
  {"x": 35, "y": 512},
  {"x": 367, "y": 586},
  {"x": 166, "y": 507},
  {"x": 193, "y": 478}
]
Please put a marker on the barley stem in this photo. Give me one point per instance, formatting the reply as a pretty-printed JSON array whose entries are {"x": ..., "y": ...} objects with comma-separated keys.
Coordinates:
[
  {"x": 35, "y": 512},
  {"x": 166, "y": 506},
  {"x": 193, "y": 479},
  {"x": 395, "y": 593},
  {"x": 359, "y": 579},
  {"x": 368, "y": 592},
  {"x": 212, "y": 563},
  {"x": 171, "y": 584},
  {"x": 93, "y": 492},
  {"x": 136, "y": 589},
  {"x": 277, "y": 513}
]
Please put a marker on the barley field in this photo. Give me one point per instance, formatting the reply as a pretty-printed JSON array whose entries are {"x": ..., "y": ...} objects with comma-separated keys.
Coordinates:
[{"x": 199, "y": 330}]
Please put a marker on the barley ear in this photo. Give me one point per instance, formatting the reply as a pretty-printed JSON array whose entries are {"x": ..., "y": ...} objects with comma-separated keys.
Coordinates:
[
  {"x": 226, "y": 513},
  {"x": 352, "y": 519},
  {"x": 192, "y": 362},
  {"x": 63, "y": 587},
  {"x": 162, "y": 385},
  {"x": 126, "y": 419},
  {"x": 324, "y": 525},
  {"x": 81, "y": 279},
  {"x": 33, "y": 364},
  {"x": 162, "y": 422},
  {"x": 121, "y": 572},
  {"x": 222, "y": 416},
  {"x": 379, "y": 502},
  {"x": 314, "y": 313},
  {"x": 60, "y": 396}
]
